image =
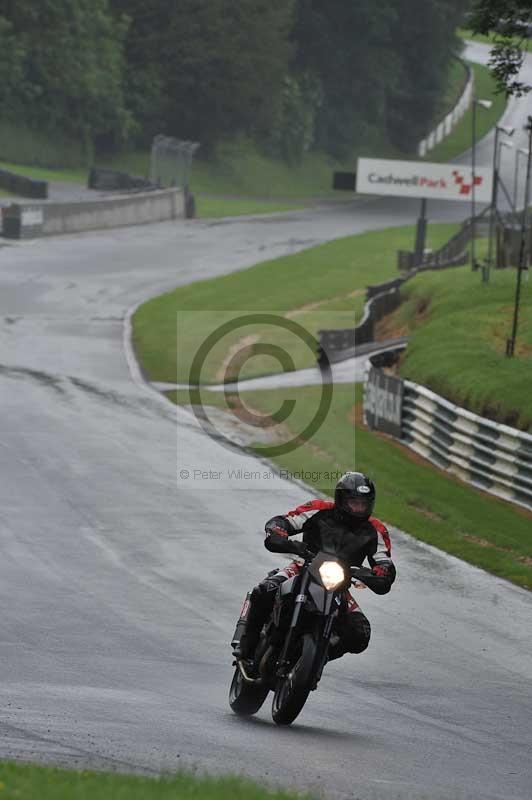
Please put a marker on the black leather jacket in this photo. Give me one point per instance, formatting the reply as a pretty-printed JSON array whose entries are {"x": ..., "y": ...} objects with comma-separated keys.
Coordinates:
[{"x": 324, "y": 527}]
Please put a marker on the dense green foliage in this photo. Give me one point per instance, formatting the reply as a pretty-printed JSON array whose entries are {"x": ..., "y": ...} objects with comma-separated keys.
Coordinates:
[
  {"x": 291, "y": 74},
  {"x": 61, "y": 69},
  {"x": 383, "y": 65},
  {"x": 424, "y": 38},
  {"x": 510, "y": 23},
  {"x": 200, "y": 69}
]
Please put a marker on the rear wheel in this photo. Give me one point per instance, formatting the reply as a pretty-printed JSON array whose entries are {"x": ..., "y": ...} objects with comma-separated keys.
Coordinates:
[
  {"x": 292, "y": 692},
  {"x": 246, "y": 698}
]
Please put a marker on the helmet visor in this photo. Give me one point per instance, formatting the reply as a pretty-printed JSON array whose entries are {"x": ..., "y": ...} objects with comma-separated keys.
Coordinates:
[{"x": 358, "y": 506}]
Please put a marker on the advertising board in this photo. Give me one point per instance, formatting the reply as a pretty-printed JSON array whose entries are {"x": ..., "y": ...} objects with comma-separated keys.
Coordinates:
[{"x": 420, "y": 179}]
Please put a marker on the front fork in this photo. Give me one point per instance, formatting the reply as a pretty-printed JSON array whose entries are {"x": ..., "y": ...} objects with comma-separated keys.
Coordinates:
[
  {"x": 300, "y": 600},
  {"x": 323, "y": 643},
  {"x": 326, "y": 638}
]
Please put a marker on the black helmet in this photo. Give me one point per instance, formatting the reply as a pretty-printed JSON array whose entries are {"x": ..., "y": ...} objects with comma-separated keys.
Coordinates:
[{"x": 355, "y": 495}]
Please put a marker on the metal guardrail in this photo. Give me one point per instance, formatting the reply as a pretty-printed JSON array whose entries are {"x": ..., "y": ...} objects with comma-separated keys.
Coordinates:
[
  {"x": 491, "y": 456},
  {"x": 454, "y": 253},
  {"x": 384, "y": 298},
  {"x": 342, "y": 343},
  {"x": 22, "y": 186}
]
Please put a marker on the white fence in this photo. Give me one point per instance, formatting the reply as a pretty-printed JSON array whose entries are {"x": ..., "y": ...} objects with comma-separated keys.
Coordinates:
[
  {"x": 488, "y": 455},
  {"x": 445, "y": 127}
]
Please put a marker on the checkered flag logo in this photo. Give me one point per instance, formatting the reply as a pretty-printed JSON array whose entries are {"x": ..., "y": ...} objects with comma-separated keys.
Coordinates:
[{"x": 465, "y": 188}]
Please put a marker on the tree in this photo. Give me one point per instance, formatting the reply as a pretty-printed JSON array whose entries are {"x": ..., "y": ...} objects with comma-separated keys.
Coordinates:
[
  {"x": 424, "y": 42},
  {"x": 202, "y": 69},
  {"x": 349, "y": 48},
  {"x": 11, "y": 59},
  {"x": 511, "y": 22},
  {"x": 382, "y": 66},
  {"x": 69, "y": 67}
]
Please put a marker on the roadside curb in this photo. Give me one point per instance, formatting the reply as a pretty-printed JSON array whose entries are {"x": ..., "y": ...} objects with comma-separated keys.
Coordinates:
[{"x": 131, "y": 359}]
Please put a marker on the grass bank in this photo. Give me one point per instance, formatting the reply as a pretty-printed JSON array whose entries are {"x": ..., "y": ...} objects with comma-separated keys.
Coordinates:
[
  {"x": 320, "y": 287},
  {"x": 413, "y": 495},
  {"x": 458, "y": 327},
  {"x": 460, "y": 139},
  {"x": 431, "y": 505},
  {"x": 28, "y": 782},
  {"x": 77, "y": 175}
]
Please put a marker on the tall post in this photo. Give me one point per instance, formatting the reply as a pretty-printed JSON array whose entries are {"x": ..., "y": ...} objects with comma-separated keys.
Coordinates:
[
  {"x": 518, "y": 152},
  {"x": 493, "y": 206},
  {"x": 421, "y": 232},
  {"x": 483, "y": 104},
  {"x": 510, "y": 344},
  {"x": 473, "y": 210}
]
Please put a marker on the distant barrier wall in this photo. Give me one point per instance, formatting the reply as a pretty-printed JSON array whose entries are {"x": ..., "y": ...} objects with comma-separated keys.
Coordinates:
[
  {"x": 450, "y": 120},
  {"x": 46, "y": 219}
]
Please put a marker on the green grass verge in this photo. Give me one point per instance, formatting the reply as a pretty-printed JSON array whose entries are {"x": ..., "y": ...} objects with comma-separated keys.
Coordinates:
[
  {"x": 45, "y": 174},
  {"x": 458, "y": 328},
  {"x": 324, "y": 285},
  {"x": 460, "y": 139},
  {"x": 464, "y": 33},
  {"x": 22, "y": 145},
  {"x": 237, "y": 168},
  {"x": 413, "y": 495},
  {"x": 212, "y": 207},
  {"x": 431, "y": 505},
  {"x": 27, "y": 782}
]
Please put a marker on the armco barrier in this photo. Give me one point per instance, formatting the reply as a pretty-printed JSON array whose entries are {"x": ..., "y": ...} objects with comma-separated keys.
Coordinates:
[
  {"x": 110, "y": 180},
  {"x": 454, "y": 253},
  {"x": 339, "y": 344},
  {"x": 446, "y": 125},
  {"x": 29, "y": 221},
  {"x": 481, "y": 452},
  {"x": 22, "y": 186}
]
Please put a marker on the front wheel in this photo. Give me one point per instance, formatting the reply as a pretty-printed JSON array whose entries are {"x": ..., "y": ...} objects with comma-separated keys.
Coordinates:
[
  {"x": 246, "y": 698},
  {"x": 292, "y": 692}
]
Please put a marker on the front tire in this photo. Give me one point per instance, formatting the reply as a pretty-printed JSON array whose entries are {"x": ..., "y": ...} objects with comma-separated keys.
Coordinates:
[
  {"x": 292, "y": 692},
  {"x": 246, "y": 698}
]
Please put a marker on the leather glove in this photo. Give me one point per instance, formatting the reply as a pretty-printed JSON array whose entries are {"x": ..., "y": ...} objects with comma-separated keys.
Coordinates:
[{"x": 302, "y": 550}]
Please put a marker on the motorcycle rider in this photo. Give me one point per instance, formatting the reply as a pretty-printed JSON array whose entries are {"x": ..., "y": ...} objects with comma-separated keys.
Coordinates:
[{"x": 345, "y": 527}]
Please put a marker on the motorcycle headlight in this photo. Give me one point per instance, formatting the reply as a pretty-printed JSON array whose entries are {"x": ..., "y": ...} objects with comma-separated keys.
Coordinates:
[{"x": 331, "y": 574}]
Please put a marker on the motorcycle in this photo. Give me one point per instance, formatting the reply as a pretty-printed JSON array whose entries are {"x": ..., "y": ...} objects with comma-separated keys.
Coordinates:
[{"x": 294, "y": 644}]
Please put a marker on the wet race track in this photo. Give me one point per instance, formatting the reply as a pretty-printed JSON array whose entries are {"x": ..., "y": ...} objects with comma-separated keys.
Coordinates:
[{"x": 120, "y": 587}]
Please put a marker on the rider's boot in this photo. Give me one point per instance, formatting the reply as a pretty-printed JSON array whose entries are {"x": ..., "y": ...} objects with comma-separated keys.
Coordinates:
[
  {"x": 249, "y": 633},
  {"x": 336, "y": 648}
]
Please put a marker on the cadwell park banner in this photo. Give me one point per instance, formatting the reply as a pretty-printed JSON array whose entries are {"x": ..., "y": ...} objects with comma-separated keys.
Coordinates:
[
  {"x": 419, "y": 179},
  {"x": 383, "y": 401}
]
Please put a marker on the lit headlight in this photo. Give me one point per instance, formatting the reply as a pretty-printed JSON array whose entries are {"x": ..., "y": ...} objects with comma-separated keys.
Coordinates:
[{"x": 331, "y": 574}]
